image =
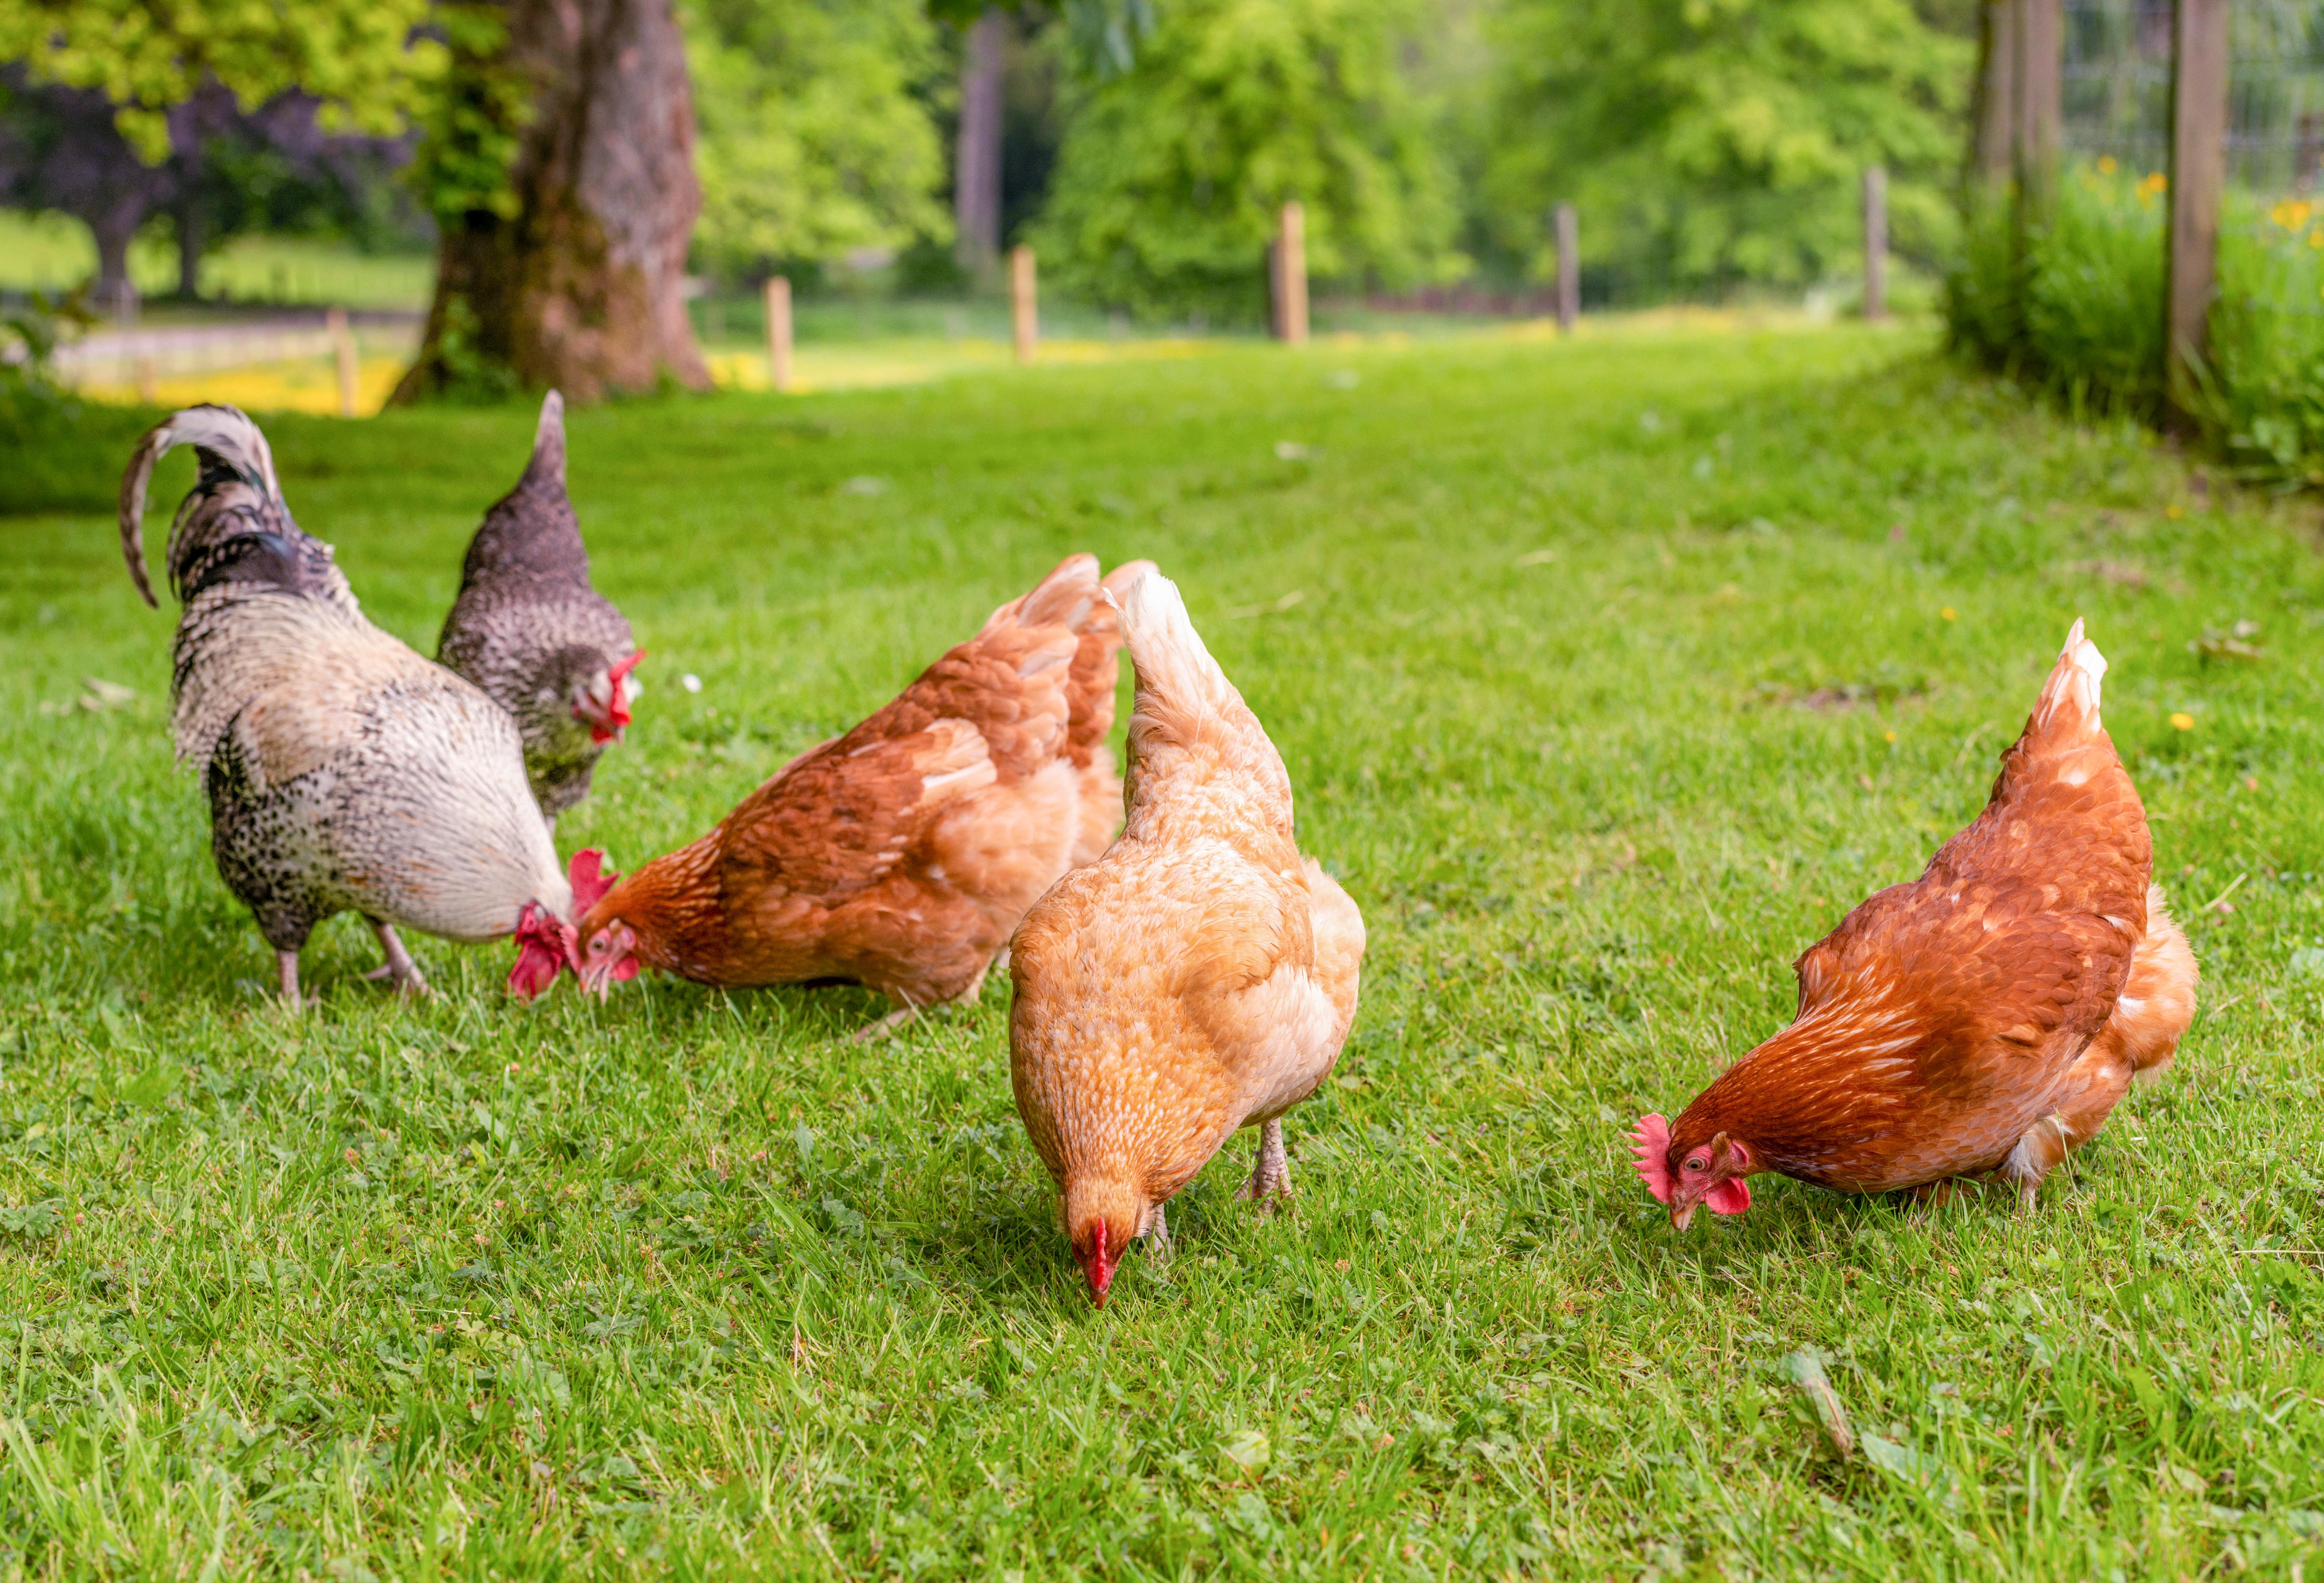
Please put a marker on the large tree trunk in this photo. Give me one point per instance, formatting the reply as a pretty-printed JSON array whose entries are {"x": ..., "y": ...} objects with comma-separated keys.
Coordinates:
[
  {"x": 976, "y": 163},
  {"x": 190, "y": 245},
  {"x": 583, "y": 289},
  {"x": 115, "y": 226}
]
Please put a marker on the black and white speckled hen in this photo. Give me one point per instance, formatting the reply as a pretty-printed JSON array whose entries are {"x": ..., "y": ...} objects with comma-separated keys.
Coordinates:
[
  {"x": 531, "y": 631},
  {"x": 343, "y": 771}
]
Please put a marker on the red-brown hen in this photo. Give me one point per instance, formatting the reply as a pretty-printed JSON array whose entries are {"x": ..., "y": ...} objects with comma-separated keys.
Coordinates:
[
  {"x": 1979, "y": 1023},
  {"x": 902, "y": 855}
]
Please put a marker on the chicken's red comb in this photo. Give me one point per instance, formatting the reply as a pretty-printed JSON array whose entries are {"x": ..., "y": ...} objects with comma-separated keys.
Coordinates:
[
  {"x": 618, "y": 706},
  {"x": 1651, "y": 1144},
  {"x": 589, "y": 878},
  {"x": 544, "y": 945}
]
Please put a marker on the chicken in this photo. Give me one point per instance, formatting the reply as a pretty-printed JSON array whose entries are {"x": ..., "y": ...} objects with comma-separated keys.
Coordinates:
[
  {"x": 343, "y": 771},
  {"x": 530, "y": 630},
  {"x": 1199, "y": 977},
  {"x": 902, "y": 855},
  {"x": 1979, "y": 1023},
  {"x": 1090, "y": 716}
]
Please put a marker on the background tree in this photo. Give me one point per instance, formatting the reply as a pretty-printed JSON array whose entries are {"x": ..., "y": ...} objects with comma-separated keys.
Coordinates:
[
  {"x": 814, "y": 140},
  {"x": 136, "y": 66},
  {"x": 1172, "y": 172},
  {"x": 977, "y": 143},
  {"x": 1714, "y": 141},
  {"x": 61, "y": 149},
  {"x": 366, "y": 60},
  {"x": 225, "y": 171},
  {"x": 992, "y": 167},
  {"x": 558, "y": 160}
]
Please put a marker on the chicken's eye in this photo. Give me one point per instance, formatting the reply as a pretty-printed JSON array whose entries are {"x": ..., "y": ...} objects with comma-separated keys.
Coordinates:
[{"x": 1698, "y": 1163}]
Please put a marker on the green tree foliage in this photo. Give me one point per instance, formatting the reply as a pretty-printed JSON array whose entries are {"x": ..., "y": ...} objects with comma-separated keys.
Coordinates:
[
  {"x": 359, "y": 57},
  {"x": 813, "y": 141},
  {"x": 1716, "y": 142},
  {"x": 470, "y": 121},
  {"x": 1171, "y": 171}
]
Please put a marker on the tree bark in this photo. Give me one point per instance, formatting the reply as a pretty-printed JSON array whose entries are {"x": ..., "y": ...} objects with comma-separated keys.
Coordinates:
[
  {"x": 1993, "y": 154},
  {"x": 189, "y": 217},
  {"x": 976, "y": 168},
  {"x": 114, "y": 226},
  {"x": 583, "y": 289}
]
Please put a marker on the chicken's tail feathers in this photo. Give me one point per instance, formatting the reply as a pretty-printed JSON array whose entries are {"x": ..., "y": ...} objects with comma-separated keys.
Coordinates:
[
  {"x": 1097, "y": 665},
  {"x": 1062, "y": 599},
  {"x": 2070, "y": 699},
  {"x": 1115, "y": 584},
  {"x": 547, "y": 463},
  {"x": 232, "y": 447},
  {"x": 1176, "y": 670},
  {"x": 1189, "y": 726}
]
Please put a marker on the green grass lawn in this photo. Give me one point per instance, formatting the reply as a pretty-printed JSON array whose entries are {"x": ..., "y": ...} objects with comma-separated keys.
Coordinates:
[{"x": 1610, "y": 673}]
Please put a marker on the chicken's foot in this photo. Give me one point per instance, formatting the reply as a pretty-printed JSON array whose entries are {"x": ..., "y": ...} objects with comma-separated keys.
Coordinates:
[
  {"x": 872, "y": 1033},
  {"x": 398, "y": 970},
  {"x": 1270, "y": 1177},
  {"x": 1932, "y": 1195},
  {"x": 286, "y": 966},
  {"x": 1159, "y": 1246}
]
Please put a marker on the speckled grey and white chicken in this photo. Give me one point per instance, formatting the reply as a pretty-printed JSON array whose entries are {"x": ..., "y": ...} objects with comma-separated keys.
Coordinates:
[
  {"x": 345, "y": 772},
  {"x": 531, "y": 629}
]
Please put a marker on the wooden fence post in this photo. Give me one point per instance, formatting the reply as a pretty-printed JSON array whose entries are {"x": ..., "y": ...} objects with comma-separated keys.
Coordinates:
[
  {"x": 343, "y": 352},
  {"x": 1291, "y": 275},
  {"x": 1876, "y": 243},
  {"x": 2198, "y": 170},
  {"x": 778, "y": 333},
  {"x": 1024, "y": 307},
  {"x": 1569, "y": 269}
]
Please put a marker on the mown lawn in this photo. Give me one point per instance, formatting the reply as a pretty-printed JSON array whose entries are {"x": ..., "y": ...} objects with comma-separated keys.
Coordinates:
[{"x": 1609, "y": 674}]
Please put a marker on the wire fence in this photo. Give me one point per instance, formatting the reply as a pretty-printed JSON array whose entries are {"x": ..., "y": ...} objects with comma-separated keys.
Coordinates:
[
  {"x": 2117, "y": 88},
  {"x": 2116, "y": 127}
]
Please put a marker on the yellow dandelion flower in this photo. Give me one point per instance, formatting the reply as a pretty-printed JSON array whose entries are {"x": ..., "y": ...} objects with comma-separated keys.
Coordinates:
[
  {"x": 1948, "y": 614},
  {"x": 2106, "y": 165},
  {"x": 1892, "y": 736},
  {"x": 2185, "y": 722},
  {"x": 2316, "y": 237}
]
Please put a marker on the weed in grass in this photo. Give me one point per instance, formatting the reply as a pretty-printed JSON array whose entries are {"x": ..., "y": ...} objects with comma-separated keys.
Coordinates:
[{"x": 684, "y": 1282}]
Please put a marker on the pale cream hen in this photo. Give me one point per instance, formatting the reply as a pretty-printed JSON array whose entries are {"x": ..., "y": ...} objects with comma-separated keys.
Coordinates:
[{"x": 1199, "y": 977}]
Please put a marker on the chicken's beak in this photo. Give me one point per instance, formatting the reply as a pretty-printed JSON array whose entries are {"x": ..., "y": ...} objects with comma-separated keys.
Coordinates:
[
  {"x": 1680, "y": 1215},
  {"x": 1096, "y": 1267},
  {"x": 598, "y": 713}
]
